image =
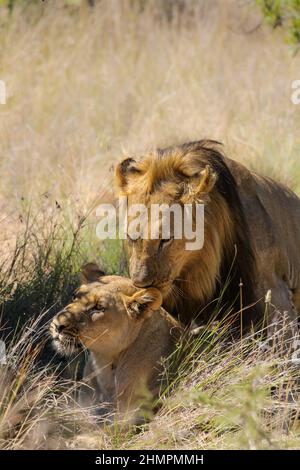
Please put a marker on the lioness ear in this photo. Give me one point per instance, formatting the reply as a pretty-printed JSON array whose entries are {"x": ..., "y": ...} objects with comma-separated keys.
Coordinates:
[
  {"x": 143, "y": 303},
  {"x": 91, "y": 272},
  {"x": 124, "y": 170}
]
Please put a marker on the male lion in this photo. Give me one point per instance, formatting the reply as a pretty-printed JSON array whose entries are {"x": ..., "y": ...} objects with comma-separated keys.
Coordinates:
[
  {"x": 252, "y": 236},
  {"x": 127, "y": 333}
]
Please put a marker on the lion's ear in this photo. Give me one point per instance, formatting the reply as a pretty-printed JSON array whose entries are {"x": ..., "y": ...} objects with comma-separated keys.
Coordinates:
[
  {"x": 201, "y": 183},
  {"x": 124, "y": 170},
  {"x": 207, "y": 181},
  {"x": 91, "y": 272},
  {"x": 143, "y": 303}
]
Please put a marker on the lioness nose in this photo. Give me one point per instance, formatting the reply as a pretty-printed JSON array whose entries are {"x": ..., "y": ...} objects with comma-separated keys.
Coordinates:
[{"x": 60, "y": 328}]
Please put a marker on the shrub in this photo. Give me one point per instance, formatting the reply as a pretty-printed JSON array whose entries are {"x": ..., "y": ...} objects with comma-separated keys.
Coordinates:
[{"x": 283, "y": 13}]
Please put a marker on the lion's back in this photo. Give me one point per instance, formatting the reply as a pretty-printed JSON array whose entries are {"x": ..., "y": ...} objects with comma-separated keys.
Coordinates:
[{"x": 272, "y": 212}]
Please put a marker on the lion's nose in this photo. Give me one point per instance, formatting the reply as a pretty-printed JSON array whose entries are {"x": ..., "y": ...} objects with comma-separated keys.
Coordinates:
[{"x": 142, "y": 281}]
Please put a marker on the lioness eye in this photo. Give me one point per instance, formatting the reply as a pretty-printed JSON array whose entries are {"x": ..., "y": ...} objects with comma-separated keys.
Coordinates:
[
  {"x": 96, "y": 309},
  {"x": 100, "y": 308},
  {"x": 97, "y": 314}
]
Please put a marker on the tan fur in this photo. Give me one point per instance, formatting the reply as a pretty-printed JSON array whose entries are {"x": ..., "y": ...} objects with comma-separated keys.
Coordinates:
[
  {"x": 127, "y": 333},
  {"x": 251, "y": 222}
]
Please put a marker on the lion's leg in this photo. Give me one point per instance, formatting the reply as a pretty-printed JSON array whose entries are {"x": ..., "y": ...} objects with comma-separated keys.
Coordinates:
[
  {"x": 283, "y": 342},
  {"x": 282, "y": 317},
  {"x": 296, "y": 299}
]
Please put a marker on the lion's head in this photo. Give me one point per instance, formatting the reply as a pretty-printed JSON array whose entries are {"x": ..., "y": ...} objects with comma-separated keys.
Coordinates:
[
  {"x": 187, "y": 174},
  {"x": 105, "y": 315}
]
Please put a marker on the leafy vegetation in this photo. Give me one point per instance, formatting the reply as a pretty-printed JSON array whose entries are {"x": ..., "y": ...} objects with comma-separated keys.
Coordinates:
[{"x": 283, "y": 13}]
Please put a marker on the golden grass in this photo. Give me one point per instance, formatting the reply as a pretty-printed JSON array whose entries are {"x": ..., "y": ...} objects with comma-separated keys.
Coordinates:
[
  {"x": 237, "y": 396},
  {"x": 86, "y": 86}
]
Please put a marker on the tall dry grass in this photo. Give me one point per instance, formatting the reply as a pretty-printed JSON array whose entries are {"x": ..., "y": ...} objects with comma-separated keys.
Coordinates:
[
  {"x": 86, "y": 86},
  {"x": 227, "y": 396}
]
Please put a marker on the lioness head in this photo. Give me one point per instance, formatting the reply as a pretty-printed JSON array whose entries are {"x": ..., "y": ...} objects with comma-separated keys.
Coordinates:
[
  {"x": 181, "y": 175},
  {"x": 105, "y": 315}
]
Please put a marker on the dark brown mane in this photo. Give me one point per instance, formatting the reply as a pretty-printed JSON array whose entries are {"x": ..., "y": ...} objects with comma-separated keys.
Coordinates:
[{"x": 238, "y": 270}]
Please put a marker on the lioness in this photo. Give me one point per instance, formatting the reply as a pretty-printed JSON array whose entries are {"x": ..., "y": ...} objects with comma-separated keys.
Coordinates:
[
  {"x": 127, "y": 333},
  {"x": 252, "y": 236}
]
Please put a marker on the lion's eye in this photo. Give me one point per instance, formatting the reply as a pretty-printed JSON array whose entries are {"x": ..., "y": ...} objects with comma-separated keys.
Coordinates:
[{"x": 165, "y": 242}]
